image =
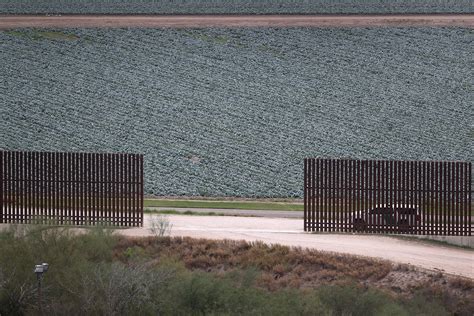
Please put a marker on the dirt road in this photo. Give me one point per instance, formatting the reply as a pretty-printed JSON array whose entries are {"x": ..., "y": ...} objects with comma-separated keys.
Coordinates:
[
  {"x": 289, "y": 232},
  {"x": 201, "y": 21}
]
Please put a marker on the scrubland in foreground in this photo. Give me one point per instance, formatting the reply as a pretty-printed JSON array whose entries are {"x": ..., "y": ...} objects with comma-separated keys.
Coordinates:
[{"x": 101, "y": 273}]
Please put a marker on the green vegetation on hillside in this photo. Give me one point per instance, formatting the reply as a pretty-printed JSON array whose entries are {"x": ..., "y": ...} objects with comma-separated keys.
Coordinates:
[
  {"x": 233, "y": 112},
  {"x": 98, "y": 273},
  {"x": 236, "y": 6}
]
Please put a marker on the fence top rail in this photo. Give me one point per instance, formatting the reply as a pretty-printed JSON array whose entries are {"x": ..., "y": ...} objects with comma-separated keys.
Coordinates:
[
  {"x": 68, "y": 152},
  {"x": 388, "y": 160}
]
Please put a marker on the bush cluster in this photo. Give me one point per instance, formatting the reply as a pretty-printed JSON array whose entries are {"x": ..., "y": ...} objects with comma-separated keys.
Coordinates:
[{"x": 90, "y": 274}]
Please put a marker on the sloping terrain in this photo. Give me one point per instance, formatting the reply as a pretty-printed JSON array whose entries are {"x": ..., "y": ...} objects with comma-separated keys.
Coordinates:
[
  {"x": 234, "y": 111},
  {"x": 235, "y": 6}
]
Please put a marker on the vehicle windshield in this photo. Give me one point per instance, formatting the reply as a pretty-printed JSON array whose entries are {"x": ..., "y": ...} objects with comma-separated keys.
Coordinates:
[
  {"x": 406, "y": 211},
  {"x": 381, "y": 210}
]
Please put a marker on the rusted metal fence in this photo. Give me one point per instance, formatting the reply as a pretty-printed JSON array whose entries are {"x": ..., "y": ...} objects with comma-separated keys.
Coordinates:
[
  {"x": 71, "y": 188},
  {"x": 379, "y": 196}
]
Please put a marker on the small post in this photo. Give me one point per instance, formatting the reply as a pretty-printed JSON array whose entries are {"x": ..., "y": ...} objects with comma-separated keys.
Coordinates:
[{"x": 40, "y": 269}]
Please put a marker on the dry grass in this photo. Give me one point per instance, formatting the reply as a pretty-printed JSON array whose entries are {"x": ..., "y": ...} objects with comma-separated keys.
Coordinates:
[{"x": 284, "y": 267}]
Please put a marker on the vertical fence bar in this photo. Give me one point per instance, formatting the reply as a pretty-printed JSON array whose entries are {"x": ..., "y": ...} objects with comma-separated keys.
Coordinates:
[
  {"x": 332, "y": 194},
  {"x": 94, "y": 188},
  {"x": 19, "y": 180},
  {"x": 134, "y": 188},
  {"x": 75, "y": 189},
  {"x": 370, "y": 191},
  {"x": 469, "y": 185},
  {"x": 442, "y": 179},
  {"x": 8, "y": 189},
  {"x": 346, "y": 198},
  {"x": 86, "y": 218},
  {"x": 114, "y": 188},
  {"x": 47, "y": 169},
  {"x": 141, "y": 190},
  {"x": 30, "y": 186},
  {"x": 446, "y": 197},
  {"x": 88, "y": 189},
  {"x": 61, "y": 187},
  {"x": 420, "y": 196},
  {"x": 443, "y": 169},
  {"x": 330, "y": 207},
  {"x": 378, "y": 196},
  {"x": 14, "y": 188},
  {"x": 326, "y": 195},
  {"x": 388, "y": 193},
  {"x": 21, "y": 188},
  {"x": 461, "y": 199},
  {"x": 52, "y": 186},
  {"x": 17, "y": 186},
  {"x": 119, "y": 189},
  {"x": 40, "y": 189},
  {"x": 106, "y": 188},
  {"x": 72, "y": 189},
  {"x": 311, "y": 192},
  {"x": 353, "y": 204},
  {"x": 438, "y": 178},
  {"x": 455, "y": 219},
  {"x": 44, "y": 172},
  {"x": 432, "y": 176},
  {"x": 78, "y": 172},
  {"x": 456, "y": 200},
  {"x": 359, "y": 193},
  {"x": 121, "y": 180},
  {"x": 362, "y": 190},
  {"x": 339, "y": 195},
  {"x": 452, "y": 182},
  {"x": 129, "y": 189},
  {"x": 68, "y": 210},
  {"x": 466, "y": 192},
  {"x": 412, "y": 194},
  {"x": 69, "y": 204},
  {"x": 100, "y": 197},
  {"x": 373, "y": 193},
  {"x": 2, "y": 179},
  {"x": 79, "y": 199},
  {"x": 305, "y": 193},
  {"x": 125, "y": 190},
  {"x": 318, "y": 195}
]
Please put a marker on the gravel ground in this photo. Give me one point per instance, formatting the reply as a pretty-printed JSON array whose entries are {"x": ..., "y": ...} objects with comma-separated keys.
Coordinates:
[{"x": 289, "y": 232}]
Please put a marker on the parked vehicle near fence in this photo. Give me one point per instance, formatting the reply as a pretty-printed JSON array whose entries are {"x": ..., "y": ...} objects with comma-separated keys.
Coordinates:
[{"x": 404, "y": 217}]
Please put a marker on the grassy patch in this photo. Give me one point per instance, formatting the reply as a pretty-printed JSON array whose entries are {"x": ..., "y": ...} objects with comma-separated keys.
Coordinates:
[
  {"x": 42, "y": 35},
  {"x": 174, "y": 212},
  {"x": 241, "y": 205}
]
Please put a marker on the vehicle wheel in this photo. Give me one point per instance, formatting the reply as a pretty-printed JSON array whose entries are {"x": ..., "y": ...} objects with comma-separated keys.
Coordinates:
[
  {"x": 360, "y": 225},
  {"x": 404, "y": 226}
]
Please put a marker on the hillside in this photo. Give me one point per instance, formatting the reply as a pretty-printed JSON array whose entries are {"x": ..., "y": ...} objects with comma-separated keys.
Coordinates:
[{"x": 232, "y": 112}]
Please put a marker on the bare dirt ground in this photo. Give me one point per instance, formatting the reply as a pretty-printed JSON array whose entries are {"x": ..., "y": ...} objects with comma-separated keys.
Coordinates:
[
  {"x": 201, "y": 21},
  {"x": 289, "y": 232}
]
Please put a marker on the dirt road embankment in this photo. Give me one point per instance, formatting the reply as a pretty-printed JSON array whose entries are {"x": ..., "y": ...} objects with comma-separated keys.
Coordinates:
[
  {"x": 289, "y": 232},
  {"x": 204, "y": 21}
]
